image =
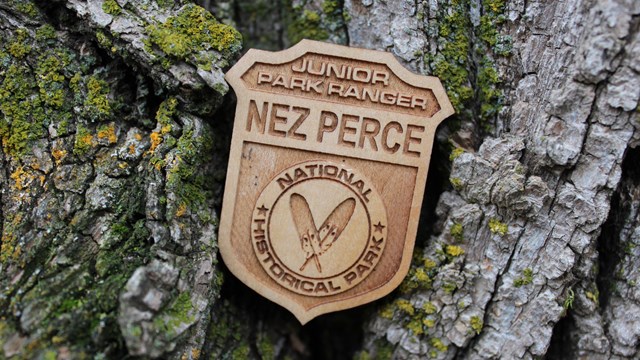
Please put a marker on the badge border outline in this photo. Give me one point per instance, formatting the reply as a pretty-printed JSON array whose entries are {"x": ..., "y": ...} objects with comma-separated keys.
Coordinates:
[{"x": 240, "y": 270}]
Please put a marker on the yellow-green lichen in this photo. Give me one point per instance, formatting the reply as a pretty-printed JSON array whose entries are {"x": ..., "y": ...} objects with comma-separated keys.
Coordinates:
[
  {"x": 415, "y": 326},
  {"x": 456, "y": 183},
  {"x": 417, "y": 278},
  {"x": 103, "y": 39},
  {"x": 429, "y": 308},
  {"x": 24, "y": 116},
  {"x": 457, "y": 231},
  {"x": 498, "y": 227},
  {"x": 476, "y": 324},
  {"x": 166, "y": 111},
  {"x": 10, "y": 249},
  {"x": 449, "y": 287},
  {"x": 83, "y": 142},
  {"x": 489, "y": 95},
  {"x": 193, "y": 30},
  {"x": 454, "y": 250},
  {"x": 452, "y": 62},
  {"x": 593, "y": 294},
  {"x": 525, "y": 279},
  {"x": 50, "y": 80},
  {"x": 461, "y": 42},
  {"x": 438, "y": 344},
  {"x": 455, "y": 153},
  {"x": 405, "y": 306},
  {"x": 383, "y": 350},
  {"x": 111, "y": 7},
  {"x": 387, "y": 311},
  {"x": 491, "y": 19},
  {"x": 20, "y": 46},
  {"x": 97, "y": 103}
]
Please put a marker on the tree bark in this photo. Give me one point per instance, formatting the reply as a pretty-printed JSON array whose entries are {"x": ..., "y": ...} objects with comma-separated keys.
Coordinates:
[{"x": 115, "y": 126}]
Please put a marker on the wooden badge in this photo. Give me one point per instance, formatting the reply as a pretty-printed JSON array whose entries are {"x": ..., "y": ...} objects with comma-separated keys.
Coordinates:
[{"x": 326, "y": 175}]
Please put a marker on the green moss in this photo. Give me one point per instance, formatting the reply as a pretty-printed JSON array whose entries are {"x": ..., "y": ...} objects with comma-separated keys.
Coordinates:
[
  {"x": 568, "y": 302},
  {"x": 45, "y": 32},
  {"x": 186, "y": 180},
  {"x": 27, "y": 7},
  {"x": 498, "y": 227},
  {"x": 306, "y": 26},
  {"x": 384, "y": 350},
  {"x": 241, "y": 353},
  {"x": 266, "y": 349},
  {"x": 181, "y": 308},
  {"x": 193, "y": 30},
  {"x": 476, "y": 324},
  {"x": 330, "y": 6},
  {"x": 525, "y": 279},
  {"x": 111, "y": 7}
]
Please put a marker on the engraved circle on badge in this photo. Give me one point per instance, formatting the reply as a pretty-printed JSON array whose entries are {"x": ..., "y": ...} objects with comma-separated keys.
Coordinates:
[{"x": 319, "y": 228}]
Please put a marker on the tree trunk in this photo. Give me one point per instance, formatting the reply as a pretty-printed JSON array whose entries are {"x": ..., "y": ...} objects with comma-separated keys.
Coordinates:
[{"x": 115, "y": 128}]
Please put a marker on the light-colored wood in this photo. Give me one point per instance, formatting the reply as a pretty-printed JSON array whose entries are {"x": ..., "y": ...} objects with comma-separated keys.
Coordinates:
[{"x": 326, "y": 176}]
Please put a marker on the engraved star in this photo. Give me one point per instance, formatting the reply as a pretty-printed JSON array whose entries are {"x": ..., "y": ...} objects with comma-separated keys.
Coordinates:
[
  {"x": 262, "y": 210},
  {"x": 379, "y": 226}
]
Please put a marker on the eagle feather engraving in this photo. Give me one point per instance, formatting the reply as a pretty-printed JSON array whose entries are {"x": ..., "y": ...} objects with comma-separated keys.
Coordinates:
[{"x": 316, "y": 241}]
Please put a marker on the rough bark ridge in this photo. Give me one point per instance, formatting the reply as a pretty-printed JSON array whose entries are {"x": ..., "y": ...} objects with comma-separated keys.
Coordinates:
[{"x": 114, "y": 129}]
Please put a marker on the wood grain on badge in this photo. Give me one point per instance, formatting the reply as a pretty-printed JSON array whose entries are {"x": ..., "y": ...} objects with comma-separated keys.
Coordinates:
[{"x": 326, "y": 176}]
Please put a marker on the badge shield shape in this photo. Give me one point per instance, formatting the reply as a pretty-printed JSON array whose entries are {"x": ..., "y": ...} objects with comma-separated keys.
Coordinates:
[{"x": 326, "y": 175}]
